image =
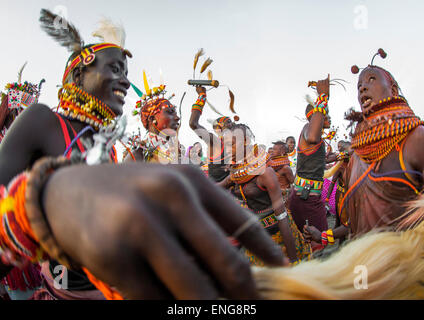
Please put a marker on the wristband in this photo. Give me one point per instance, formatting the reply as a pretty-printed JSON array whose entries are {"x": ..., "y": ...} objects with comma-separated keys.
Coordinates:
[
  {"x": 200, "y": 103},
  {"x": 330, "y": 237}
]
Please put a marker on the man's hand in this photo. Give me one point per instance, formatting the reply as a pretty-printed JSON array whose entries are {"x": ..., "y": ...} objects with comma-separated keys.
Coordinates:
[
  {"x": 323, "y": 86},
  {"x": 312, "y": 233},
  {"x": 200, "y": 89},
  {"x": 154, "y": 231}
]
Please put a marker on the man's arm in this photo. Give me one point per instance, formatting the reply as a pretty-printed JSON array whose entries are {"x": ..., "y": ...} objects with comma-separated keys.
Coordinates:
[
  {"x": 313, "y": 131},
  {"x": 30, "y": 136},
  {"x": 210, "y": 139},
  {"x": 270, "y": 182}
]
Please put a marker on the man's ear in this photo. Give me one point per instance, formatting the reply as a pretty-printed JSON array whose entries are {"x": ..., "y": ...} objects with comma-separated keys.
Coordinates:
[{"x": 395, "y": 91}]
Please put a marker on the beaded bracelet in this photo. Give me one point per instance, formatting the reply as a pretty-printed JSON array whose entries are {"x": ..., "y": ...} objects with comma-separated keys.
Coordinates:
[
  {"x": 292, "y": 264},
  {"x": 200, "y": 103},
  {"x": 37, "y": 179},
  {"x": 327, "y": 237},
  {"x": 330, "y": 237},
  {"x": 324, "y": 239},
  {"x": 321, "y": 104}
]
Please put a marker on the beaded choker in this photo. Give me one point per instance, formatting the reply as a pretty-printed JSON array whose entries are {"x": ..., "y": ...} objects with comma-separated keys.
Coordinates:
[
  {"x": 79, "y": 105},
  {"x": 388, "y": 125},
  {"x": 252, "y": 166},
  {"x": 278, "y": 162}
]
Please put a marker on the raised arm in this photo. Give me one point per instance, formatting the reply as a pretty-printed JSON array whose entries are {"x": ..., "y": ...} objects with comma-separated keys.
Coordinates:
[
  {"x": 313, "y": 131},
  {"x": 210, "y": 139}
]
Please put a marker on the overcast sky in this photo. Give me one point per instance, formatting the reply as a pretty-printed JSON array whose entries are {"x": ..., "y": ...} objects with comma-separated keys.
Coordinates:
[{"x": 265, "y": 51}]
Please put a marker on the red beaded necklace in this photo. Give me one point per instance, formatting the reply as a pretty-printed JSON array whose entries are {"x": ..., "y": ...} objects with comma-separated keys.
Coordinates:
[
  {"x": 390, "y": 122},
  {"x": 251, "y": 167}
]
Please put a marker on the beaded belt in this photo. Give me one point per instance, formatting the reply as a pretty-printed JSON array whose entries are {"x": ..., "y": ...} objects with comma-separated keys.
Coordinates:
[{"x": 300, "y": 183}]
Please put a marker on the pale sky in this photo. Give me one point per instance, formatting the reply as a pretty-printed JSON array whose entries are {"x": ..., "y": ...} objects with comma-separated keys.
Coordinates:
[{"x": 265, "y": 51}]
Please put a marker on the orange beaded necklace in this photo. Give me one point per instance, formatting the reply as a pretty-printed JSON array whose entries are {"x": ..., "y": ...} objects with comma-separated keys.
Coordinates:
[
  {"x": 388, "y": 125},
  {"x": 252, "y": 166}
]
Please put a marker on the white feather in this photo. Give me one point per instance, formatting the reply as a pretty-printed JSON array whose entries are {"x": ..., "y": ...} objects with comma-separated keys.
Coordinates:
[
  {"x": 309, "y": 99},
  {"x": 21, "y": 71},
  {"x": 110, "y": 32}
]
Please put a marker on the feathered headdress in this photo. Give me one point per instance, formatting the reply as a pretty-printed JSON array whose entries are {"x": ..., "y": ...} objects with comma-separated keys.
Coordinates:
[
  {"x": 152, "y": 102},
  {"x": 112, "y": 36}
]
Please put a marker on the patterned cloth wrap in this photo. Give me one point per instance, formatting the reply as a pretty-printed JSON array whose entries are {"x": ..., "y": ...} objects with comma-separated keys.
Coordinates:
[{"x": 303, "y": 248}]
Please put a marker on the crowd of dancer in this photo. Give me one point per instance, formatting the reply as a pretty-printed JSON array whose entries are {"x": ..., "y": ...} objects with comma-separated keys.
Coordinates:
[{"x": 237, "y": 220}]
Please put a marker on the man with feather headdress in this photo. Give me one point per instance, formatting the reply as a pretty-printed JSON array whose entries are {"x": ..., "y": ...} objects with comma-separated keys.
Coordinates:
[{"x": 115, "y": 228}]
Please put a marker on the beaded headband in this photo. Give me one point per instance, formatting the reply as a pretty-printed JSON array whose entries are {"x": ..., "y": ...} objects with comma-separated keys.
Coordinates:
[
  {"x": 152, "y": 102},
  {"x": 87, "y": 57}
]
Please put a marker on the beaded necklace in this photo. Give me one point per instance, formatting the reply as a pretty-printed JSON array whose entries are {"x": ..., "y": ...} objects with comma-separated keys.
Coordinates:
[
  {"x": 390, "y": 122},
  {"x": 251, "y": 167},
  {"x": 78, "y": 105},
  {"x": 278, "y": 161}
]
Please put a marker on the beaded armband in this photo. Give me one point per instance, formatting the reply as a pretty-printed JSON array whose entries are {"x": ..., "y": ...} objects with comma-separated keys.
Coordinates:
[
  {"x": 200, "y": 103},
  {"x": 18, "y": 244},
  {"x": 321, "y": 105},
  {"x": 342, "y": 156}
]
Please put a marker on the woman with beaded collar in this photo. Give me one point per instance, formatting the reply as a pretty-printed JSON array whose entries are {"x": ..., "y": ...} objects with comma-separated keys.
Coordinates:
[
  {"x": 121, "y": 224},
  {"x": 385, "y": 171},
  {"x": 256, "y": 187}
]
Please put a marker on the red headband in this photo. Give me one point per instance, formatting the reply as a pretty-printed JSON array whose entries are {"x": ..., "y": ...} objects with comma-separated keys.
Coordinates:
[{"x": 86, "y": 56}]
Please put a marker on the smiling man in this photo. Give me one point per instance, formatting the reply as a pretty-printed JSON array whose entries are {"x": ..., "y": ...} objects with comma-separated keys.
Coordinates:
[{"x": 117, "y": 228}]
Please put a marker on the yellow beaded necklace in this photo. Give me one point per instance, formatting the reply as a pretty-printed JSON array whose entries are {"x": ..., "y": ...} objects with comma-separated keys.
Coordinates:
[{"x": 79, "y": 105}]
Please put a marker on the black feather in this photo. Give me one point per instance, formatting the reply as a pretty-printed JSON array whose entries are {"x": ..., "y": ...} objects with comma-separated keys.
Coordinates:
[{"x": 65, "y": 34}]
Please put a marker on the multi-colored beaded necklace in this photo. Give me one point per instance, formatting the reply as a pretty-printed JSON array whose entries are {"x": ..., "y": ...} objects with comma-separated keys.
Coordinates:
[
  {"x": 251, "y": 167},
  {"x": 391, "y": 121},
  {"x": 79, "y": 105}
]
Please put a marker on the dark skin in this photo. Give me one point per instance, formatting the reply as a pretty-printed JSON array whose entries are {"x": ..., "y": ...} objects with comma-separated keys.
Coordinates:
[
  {"x": 373, "y": 86},
  {"x": 211, "y": 140},
  {"x": 266, "y": 180},
  {"x": 312, "y": 131},
  {"x": 285, "y": 171},
  {"x": 143, "y": 228},
  {"x": 291, "y": 144}
]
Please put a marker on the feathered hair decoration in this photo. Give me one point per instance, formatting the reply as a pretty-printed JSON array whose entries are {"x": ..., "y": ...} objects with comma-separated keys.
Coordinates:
[
  {"x": 21, "y": 71},
  {"x": 231, "y": 101},
  {"x": 213, "y": 108},
  {"x": 65, "y": 33},
  {"x": 110, "y": 32},
  {"x": 210, "y": 75},
  {"x": 146, "y": 84},
  {"x": 207, "y": 63},
  {"x": 309, "y": 100}
]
